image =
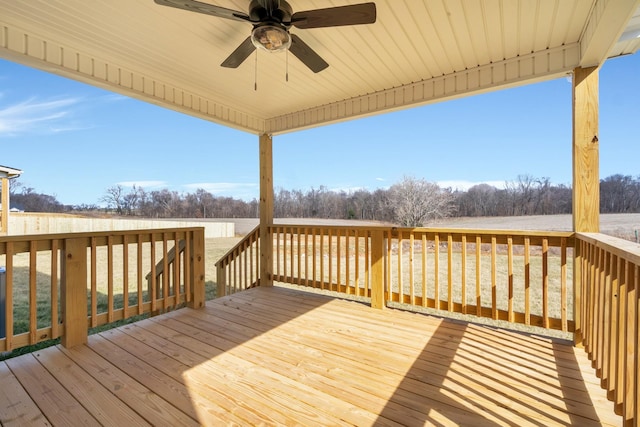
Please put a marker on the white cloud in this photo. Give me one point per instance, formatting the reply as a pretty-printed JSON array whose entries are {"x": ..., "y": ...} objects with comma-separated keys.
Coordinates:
[
  {"x": 220, "y": 187},
  {"x": 143, "y": 184},
  {"x": 37, "y": 116},
  {"x": 380, "y": 179},
  {"x": 238, "y": 190},
  {"x": 465, "y": 185}
]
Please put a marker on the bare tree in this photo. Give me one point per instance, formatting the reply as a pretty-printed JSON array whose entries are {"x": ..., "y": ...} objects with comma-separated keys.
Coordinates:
[
  {"x": 114, "y": 198},
  {"x": 415, "y": 202}
]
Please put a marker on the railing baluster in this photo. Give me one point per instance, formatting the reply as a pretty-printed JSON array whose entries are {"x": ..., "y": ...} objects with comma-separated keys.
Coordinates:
[
  {"x": 449, "y": 273},
  {"x": 367, "y": 264},
  {"x": 330, "y": 260},
  {"x": 478, "y": 276},
  {"x": 510, "y": 278},
  {"x": 94, "y": 283},
  {"x": 139, "y": 274},
  {"x": 357, "y": 263},
  {"x": 412, "y": 295},
  {"x": 55, "y": 333},
  {"x": 527, "y": 281},
  {"x": 33, "y": 307},
  {"x": 608, "y": 374},
  {"x": 110, "y": 279},
  {"x": 9, "y": 296},
  {"x": 165, "y": 270},
  {"x": 425, "y": 297},
  {"x": 154, "y": 278},
  {"x": 400, "y": 281},
  {"x": 322, "y": 275},
  {"x": 463, "y": 272},
  {"x": 621, "y": 303},
  {"x": 314, "y": 254},
  {"x": 494, "y": 280},
  {"x": 188, "y": 290},
  {"x": 339, "y": 285},
  {"x": 436, "y": 271},
  {"x": 545, "y": 283},
  {"x": 563, "y": 285},
  {"x": 347, "y": 259},
  {"x": 306, "y": 256},
  {"x": 125, "y": 276}
]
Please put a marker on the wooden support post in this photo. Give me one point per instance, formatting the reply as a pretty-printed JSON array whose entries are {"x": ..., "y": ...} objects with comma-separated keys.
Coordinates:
[
  {"x": 197, "y": 269},
  {"x": 4, "y": 224},
  {"x": 377, "y": 269},
  {"x": 266, "y": 210},
  {"x": 73, "y": 292},
  {"x": 586, "y": 175},
  {"x": 586, "y": 179},
  {"x": 221, "y": 280}
]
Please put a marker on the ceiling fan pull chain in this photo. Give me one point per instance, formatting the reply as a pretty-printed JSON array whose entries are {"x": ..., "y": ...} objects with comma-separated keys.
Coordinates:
[
  {"x": 286, "y": 61},
  {"x": 255, "y": 76}
]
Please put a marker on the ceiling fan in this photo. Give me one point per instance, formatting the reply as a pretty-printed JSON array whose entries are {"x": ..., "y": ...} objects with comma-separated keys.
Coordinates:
[{"x": 272, "y": 19}]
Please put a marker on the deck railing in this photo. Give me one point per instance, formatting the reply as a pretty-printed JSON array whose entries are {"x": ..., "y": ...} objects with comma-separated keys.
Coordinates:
[
  {"x": 61, "y": 285},
  {"x": 238, "y": 269},
  {"x": 609, "y": 316},
  {"x": 519, "y": 277}
]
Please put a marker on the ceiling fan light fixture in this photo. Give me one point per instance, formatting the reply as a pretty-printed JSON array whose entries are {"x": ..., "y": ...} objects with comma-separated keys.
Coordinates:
[{"x": 271, "y": 38}]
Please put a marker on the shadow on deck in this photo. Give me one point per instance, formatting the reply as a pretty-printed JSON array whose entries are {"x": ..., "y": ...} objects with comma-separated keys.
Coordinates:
[{"x": 279, "y": 356}]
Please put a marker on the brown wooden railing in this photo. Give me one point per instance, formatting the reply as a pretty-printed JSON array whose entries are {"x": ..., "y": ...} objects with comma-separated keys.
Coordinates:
[
  {"x": 238, "y": 269},
  {"x": 60, "y": 285},
  {"x": 519, "y": 277},
  {"x": 608, "y": 279}
]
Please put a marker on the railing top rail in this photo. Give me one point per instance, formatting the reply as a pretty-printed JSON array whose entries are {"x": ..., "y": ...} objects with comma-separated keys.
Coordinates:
[
  {"x": 59, "y": 236},
  {"x": 624, "y": 249},
  {"x": 455, "y": 231},
  {"x": 238, "y": 245},
  {"x": 485, "y": 231},
  {"x": 331, "y": 226}
]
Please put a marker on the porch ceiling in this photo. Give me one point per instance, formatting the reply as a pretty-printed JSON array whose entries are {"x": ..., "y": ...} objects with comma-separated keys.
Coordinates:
[{"x": 417, "y": 52}]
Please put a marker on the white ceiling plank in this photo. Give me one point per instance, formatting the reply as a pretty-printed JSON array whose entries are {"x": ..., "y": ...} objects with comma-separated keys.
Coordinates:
[{"x": 416, "y": 52}]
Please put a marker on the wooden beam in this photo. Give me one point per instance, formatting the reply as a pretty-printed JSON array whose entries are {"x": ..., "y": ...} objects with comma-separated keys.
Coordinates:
[
  {"x": 266, "y": 210},
  {"x": 605, "y": 26},
  {"x": 586, "y": 179}
]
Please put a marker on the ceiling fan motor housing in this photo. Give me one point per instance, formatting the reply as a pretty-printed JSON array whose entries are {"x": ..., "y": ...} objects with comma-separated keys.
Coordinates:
[{"x": 270, "y": 12}]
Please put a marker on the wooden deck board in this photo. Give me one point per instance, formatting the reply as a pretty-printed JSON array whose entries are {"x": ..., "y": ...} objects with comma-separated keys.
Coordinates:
[{"x": 278, "y": 356}]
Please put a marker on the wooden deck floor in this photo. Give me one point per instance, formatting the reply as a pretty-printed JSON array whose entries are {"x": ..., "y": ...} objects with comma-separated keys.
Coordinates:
[{"x": 285, "y": 357}]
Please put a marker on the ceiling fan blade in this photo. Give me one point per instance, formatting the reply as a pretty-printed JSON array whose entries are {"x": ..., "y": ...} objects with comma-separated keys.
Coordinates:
[
  {"x": 364, "y": 13},
  {"x": 206, "y": 8},
  {"x": 304, "y": 53},
  {"x": 241, "y": 53}
]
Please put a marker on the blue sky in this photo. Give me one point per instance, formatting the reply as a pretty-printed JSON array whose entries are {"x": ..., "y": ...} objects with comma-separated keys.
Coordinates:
[{"x": 74, "y": 141}]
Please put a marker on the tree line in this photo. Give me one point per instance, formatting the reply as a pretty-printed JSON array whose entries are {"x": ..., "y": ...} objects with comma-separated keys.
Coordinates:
[{"x": 410, "y": 202}]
